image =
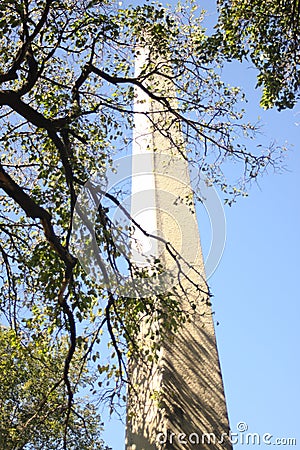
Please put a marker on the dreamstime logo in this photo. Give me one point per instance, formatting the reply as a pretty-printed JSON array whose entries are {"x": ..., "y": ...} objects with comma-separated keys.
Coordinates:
[
  {"x": 241, "y": 437},
  {"x": 154, "y": 225}
]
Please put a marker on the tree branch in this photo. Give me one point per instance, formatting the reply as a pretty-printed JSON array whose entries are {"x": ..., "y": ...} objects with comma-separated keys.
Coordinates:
[
  {"x": 12, "y": 72},
  {"x": 34, "y": 211}
]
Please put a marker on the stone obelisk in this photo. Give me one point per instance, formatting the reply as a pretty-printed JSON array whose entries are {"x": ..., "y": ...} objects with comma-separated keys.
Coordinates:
[{"x": 177, "y": 401}]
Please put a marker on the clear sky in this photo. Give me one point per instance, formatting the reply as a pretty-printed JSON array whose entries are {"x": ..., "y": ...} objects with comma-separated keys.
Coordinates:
[
  {"x": 256, "y": 288},
  {"x": 257, "y": 292}
]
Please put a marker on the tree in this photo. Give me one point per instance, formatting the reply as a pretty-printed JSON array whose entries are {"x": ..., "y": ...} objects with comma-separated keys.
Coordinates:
[
  {"x": 67, "y": 91},
  {"x": 268, "y": 34},
  {"x": 33, "y": 403}
]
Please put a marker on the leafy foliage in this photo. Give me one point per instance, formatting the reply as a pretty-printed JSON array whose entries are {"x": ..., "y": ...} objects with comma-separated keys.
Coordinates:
[
  {"x": 33, "y": 404},
  {"x": 267, "y": 33}
]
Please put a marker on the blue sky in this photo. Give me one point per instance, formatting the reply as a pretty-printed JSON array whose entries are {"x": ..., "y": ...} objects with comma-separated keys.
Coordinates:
[
  {"x": 256, "y": 291},
  {"x": 257, "y": 297},
  {"x": 256, "y": 284}
]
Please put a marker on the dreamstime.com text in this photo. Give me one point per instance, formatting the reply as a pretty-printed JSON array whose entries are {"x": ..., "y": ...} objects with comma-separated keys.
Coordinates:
[{"x": 240, "y": 437}]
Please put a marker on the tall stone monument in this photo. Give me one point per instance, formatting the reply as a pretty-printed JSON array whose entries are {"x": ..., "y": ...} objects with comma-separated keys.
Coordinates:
[{"x": 177, "y": 400}]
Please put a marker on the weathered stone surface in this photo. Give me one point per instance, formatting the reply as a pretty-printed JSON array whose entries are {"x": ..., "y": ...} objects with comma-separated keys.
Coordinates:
[{"x": 176, "y": 402}]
